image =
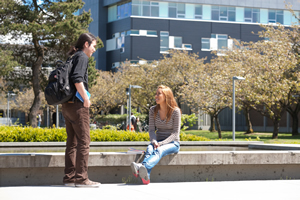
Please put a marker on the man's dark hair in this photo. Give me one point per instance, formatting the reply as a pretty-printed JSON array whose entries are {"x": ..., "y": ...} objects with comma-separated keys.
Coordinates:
[{"x": 83, "y": 38}]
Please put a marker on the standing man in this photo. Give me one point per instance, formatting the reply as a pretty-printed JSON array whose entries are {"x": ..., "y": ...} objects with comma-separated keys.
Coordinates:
[{"x": 76, "y": 114}]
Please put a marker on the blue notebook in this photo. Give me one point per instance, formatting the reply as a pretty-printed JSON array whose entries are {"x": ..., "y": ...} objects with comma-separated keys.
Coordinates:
[{"x": 79, "y": 96}]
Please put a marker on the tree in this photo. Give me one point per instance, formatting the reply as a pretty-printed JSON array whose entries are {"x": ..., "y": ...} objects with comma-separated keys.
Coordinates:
[
  {"x": 233, "y": 63},
  {"x": 173, "y": 70},
  {"x": 270, "y": 73},
  {"x": 8, "y": 64},
  {"x": 46, "y": 25},
  {"x": 144, "y": 75},
  {"x": 177, "y": 70},
  {"x": 209, "y": 90},
  {"x": 108, "y": 93},
  {"x": 294, "y": 107},
  {"x": 23, "y": 101}
]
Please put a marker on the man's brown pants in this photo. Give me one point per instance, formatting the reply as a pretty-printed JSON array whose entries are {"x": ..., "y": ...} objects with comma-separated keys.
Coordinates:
[{"x": 78, "y": 142}]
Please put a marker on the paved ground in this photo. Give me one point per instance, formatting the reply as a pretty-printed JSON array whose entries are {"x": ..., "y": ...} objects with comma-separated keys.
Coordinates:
[{"x": 235, "y": 190}]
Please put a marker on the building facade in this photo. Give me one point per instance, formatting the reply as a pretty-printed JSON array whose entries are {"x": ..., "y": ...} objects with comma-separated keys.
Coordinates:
[
  {"x": 147, "y": 29},
  {"x": 144, "y": 29}
]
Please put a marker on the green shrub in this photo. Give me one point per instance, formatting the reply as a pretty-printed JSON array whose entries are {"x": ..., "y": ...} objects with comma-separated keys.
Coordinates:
[
  {"x": 115, "y": 118},
  {"x": 29, "y": 134},
  {"x": 110, "y": 127},
  {"x": 111, "y": 119},
  {"x": 190, "y": 120},
  {"x": 190, "y": 137},
  {"x": 112, "y": 135}
]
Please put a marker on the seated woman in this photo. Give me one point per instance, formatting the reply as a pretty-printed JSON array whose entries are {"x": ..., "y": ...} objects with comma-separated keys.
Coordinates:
[{"x": 166, "y": 118}]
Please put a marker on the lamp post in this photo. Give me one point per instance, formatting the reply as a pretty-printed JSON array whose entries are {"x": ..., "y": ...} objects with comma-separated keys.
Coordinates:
[
  {"x": 8, "y": 95},
  {"x": 233, "y": 105},
  {"x": 128, "y": 93},
  {"x": 47, "y": 71},
  {"x": 57, "y": 117}
]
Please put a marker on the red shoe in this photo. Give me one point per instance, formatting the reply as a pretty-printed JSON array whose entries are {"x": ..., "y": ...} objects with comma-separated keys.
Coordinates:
[
  {"x": 144, "y": 175},
  {"x": 135, "y": 169}
]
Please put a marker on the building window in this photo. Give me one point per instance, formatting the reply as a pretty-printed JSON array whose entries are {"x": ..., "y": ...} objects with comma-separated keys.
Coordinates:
[
  {"x": 252, "y": 15},
  {"x": 205, "y": 44},
  {"x": 136, "y": 7},
  {"x": 124, "y": 10},
  {"x": 221, "y": 40},
  {"x": 198, "y": 11},
  {"x": 216, "y": 42},
  {"x": 187, "y": 46},
  {"x": 145, "y": 8},
  {"x": 177, "y": 10},
  {"x": 180, "y": 10},
  {"x": 276, "y": 16},
  {"x": 134, "y": 32},
  {"x": 173, "y": 10},
  {"x": 151, "y": 33},
  {"x": 154, "y": 9},
  {"x": 121, "y": 42},
  {"x": 178, "y": 42},
  {"x": 141, "y": 33},
  {"x": 164, "y": 41},
  {"x": 223, "y": 13},
  {"x": 162, "y": 9}
]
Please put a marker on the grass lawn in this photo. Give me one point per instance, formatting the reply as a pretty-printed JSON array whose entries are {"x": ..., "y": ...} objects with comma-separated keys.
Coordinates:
[{"x": 266, "y": 137}]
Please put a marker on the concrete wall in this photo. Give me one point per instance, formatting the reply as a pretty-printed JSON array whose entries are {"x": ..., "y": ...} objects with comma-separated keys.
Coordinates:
[{"x": 47, "y": 169}]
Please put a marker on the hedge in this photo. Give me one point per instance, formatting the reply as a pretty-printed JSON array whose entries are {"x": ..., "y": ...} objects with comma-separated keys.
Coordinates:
[
  {"x": 29, "y": 134},
  {"x": 115, "y": 118}
]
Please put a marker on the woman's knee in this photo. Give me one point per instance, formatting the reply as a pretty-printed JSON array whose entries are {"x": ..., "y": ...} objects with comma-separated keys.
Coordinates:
[{"x": 150, "y": 148}]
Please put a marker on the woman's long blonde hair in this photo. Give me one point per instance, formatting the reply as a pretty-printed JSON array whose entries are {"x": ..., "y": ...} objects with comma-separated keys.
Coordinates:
[{"x": 170, "y": 101}]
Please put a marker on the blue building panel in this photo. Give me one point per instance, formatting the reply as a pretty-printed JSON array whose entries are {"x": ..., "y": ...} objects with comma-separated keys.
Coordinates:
[
  {"x": 145, "y": 48},
  {"x": 232, "y": 30}
]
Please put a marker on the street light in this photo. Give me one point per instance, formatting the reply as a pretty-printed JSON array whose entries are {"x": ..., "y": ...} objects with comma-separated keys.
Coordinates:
[
  {"x": 9, "y": 94},
  {"x": 233, "y": 105},
  {"x": 128, "y": 93}
]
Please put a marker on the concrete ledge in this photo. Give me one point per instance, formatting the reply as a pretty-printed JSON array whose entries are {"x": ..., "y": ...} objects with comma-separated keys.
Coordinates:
[
  {"x": 100, "y": 144},
  {"x": 275, "y": 146},
  {"x": 47, "y": 168},
  {"x": 182, "y": 158}
]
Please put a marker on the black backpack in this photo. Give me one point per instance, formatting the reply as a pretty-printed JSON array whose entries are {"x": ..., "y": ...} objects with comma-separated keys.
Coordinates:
[{"x": 59, "y": 90}]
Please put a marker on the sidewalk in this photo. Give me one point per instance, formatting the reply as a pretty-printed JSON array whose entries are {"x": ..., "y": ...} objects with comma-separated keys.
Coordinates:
[{"x": 234, "y": 190}]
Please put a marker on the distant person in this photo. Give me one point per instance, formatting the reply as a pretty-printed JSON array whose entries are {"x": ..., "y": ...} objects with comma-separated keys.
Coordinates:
[
  {"x": 165, "y": 118},
  {"x": 133, "y": 119},
  {"x": 133, "y": 123},
  {"x": 77, "y": 118},
  {"x": 54, "y": 119},
  {"x": 39, "y": 119},
  {"x": 138, "y": 125}
]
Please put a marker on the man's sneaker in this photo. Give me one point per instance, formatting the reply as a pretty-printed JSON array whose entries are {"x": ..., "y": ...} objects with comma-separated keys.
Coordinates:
[
  {"x": 144, "y": 175},
  {"x": 88, "y": 183},
  {"x": 135, "y": 168},
  {"x": 71, "y": 184}
]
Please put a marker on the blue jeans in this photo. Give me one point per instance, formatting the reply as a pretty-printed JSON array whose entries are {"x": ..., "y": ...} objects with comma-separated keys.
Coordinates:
[{"x": 152, "y": 157}]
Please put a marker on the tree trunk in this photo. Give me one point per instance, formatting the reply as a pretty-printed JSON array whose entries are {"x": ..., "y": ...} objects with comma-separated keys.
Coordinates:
[
  {"x": 36, "y": 83},
  {"x": 294, "y": 115},
  {"x": 295, "y": 124},
  {"x": 212, "y": 124},
  {"x": 218, "y": 126},
  {"x": 248, "y": 121},
  {"x": 276, "y": 129}
]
